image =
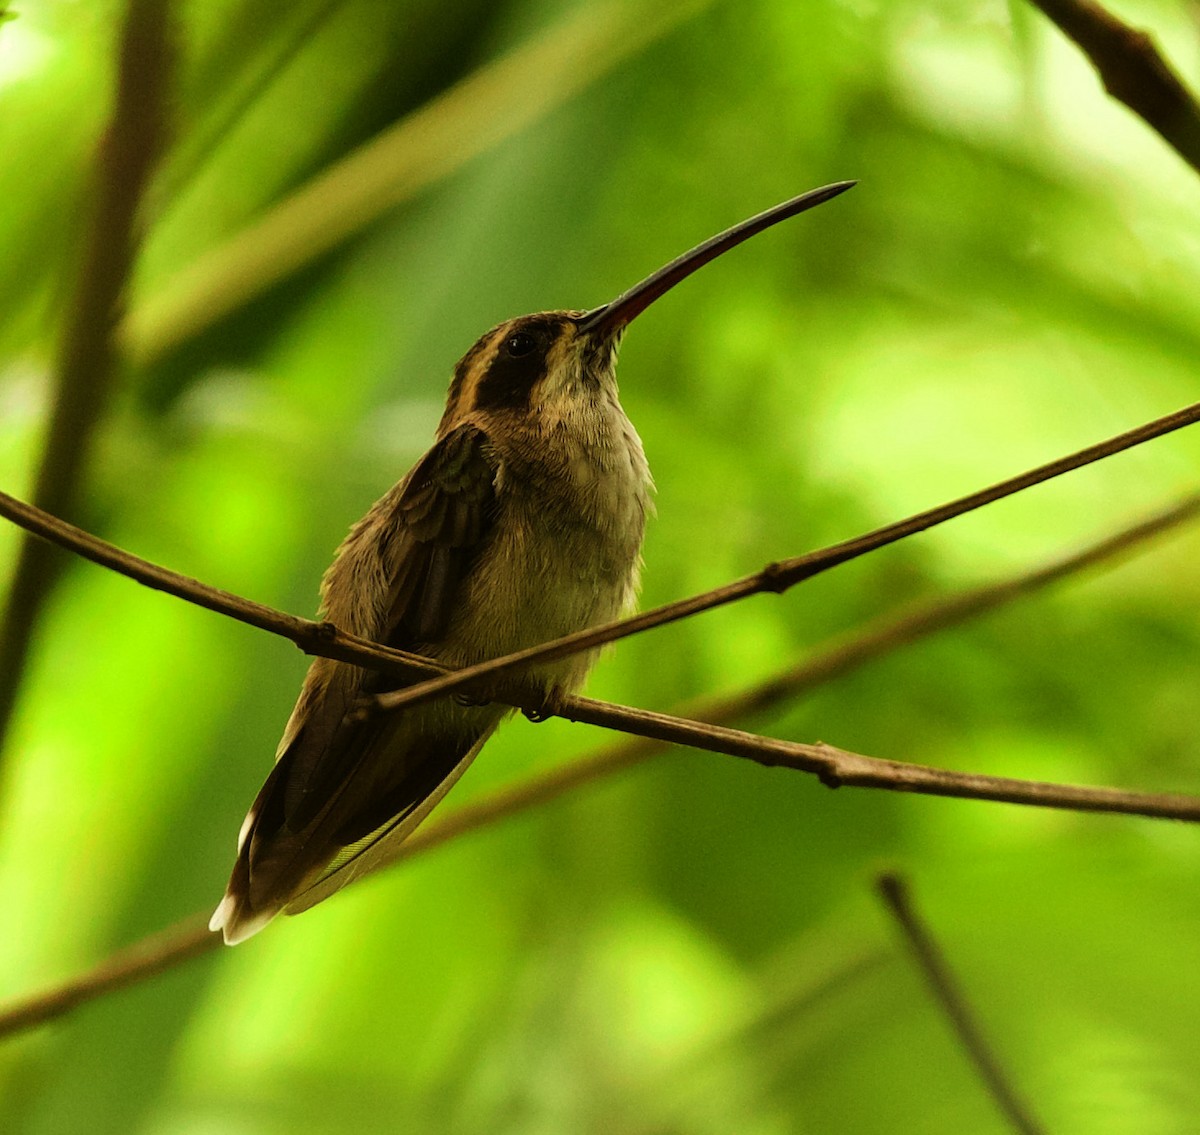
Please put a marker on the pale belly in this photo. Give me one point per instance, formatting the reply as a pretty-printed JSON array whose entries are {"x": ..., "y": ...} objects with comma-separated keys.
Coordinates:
[{"x": 539, "y": 579}]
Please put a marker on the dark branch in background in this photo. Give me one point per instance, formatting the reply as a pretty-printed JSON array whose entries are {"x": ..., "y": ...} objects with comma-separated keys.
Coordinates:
[
  {"x": 894, "y": 891},
  {"x": 132, "y": 143},
  {"x": 1133, "y": 71},
  {"x": 155, "y": 954},
  {"x": 145, "y": 959},
  {"x": 778, "y": 577}
]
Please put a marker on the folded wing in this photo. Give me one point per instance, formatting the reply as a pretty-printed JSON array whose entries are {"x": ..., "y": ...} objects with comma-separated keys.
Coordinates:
[{"x": 346, "y": 790}]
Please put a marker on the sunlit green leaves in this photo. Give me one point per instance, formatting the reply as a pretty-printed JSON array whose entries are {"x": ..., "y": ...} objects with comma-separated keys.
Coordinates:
[{"x": 693, "y": 947}]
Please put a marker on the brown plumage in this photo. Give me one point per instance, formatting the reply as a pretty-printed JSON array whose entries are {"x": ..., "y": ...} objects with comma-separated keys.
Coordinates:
[{"x": 522, "y": 523}]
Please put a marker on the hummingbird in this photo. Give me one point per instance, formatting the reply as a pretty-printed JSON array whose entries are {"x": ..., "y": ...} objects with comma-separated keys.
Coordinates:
[{"x": 522, "y": 523}]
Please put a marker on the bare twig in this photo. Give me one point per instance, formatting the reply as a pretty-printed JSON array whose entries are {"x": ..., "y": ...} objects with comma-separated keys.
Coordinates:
[
  {"x": 160, "y": 952},
  {"x": 835, "y": 767},
  {"x": 487, "y": 107},
  {"x": 1133, "y": 71},
  {"x": 778, "y": 577},
  {"x": 134, "y": 139},
  {"x": 888, "y": 634},
  {"x": 147, "y": 958},
  {"x": 839, "y": 768},
  {"x": 895, "y": 892},
  {"x": 312, "y": 637}
]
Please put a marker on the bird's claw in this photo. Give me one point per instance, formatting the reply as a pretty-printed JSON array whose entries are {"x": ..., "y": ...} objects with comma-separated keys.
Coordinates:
[{"x": 549, "y": 704}]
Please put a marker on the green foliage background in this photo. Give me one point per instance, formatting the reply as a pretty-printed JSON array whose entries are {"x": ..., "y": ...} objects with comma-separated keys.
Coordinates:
[{"x": 693, "y": 947}]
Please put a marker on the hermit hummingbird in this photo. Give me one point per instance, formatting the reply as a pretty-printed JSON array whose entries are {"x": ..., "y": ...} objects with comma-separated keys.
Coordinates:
[{"x": 522, "y": 523}]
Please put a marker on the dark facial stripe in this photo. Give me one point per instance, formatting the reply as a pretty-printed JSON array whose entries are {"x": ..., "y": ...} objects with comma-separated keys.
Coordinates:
[{"x": 518, "y": 365}]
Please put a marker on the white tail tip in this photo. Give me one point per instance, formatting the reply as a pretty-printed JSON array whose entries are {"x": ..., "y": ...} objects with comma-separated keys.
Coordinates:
[{"x": 235, "y": 927}]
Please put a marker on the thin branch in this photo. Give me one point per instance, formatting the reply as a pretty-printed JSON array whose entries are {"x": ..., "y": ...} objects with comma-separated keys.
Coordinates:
[
  {"x": 160, "y": 952},
  {"x": 885, "y": 635},
  {"x": 896, "y": 895},
  {"x": 134, "y": 139},
  {"x": 840, "y": 768},
  {"x": 146, "y": 958},
  {"x": 835, "y": 767},
  {"x": 778, "y": 577},
  {"x": 484, "y": 109},
  {"x": 1133, "y": 71},
  {"x": 312, "y": 637}
]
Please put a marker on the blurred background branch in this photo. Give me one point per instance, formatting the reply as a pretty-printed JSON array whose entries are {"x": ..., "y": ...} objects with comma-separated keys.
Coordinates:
[
  {"x": 133, "y": 142},
  {"x": 1133, "y": 71},
  {"x": 897, "y": 897},
  {"x": 485, "y": 109}
]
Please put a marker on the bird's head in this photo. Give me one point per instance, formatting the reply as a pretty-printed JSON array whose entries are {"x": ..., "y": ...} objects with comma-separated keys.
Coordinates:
[{"x": 554, "y": 359}]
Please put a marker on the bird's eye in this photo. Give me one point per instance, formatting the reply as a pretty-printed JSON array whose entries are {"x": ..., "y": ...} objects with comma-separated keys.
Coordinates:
[{"x": 519, "y": 344}]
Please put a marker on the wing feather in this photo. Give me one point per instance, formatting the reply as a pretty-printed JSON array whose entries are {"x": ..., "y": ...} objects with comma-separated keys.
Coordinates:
[
  {"x": 345, "y": 792},
  {"x": 379, "y": 847}
]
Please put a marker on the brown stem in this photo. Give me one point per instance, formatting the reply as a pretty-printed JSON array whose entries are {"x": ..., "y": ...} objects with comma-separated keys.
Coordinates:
[
  {"x": 144, "y": 959},
  {"x": 835, "y": 767},
  {"x": 160, "y": 952},
  {"x": 312, "y": 637},
  {"x": 778, "y": 577},
  {"x": 132, "y": 143},
  {"x": 1133, "y": 71},
  {"x": 897, "y": 897}
]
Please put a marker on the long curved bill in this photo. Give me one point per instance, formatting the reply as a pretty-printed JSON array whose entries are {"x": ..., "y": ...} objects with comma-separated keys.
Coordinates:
[{"x": 617, "y": 314}]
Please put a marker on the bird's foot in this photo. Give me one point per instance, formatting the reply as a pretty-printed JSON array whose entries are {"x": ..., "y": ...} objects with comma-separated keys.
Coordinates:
[{"x": 544, "y": 703}]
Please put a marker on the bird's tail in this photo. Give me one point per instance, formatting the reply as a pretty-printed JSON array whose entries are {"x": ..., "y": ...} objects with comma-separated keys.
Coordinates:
[{"x": 361, "y": 827}]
